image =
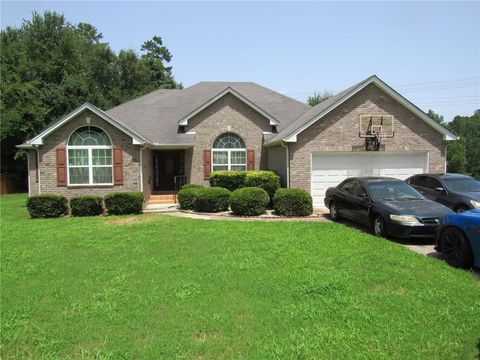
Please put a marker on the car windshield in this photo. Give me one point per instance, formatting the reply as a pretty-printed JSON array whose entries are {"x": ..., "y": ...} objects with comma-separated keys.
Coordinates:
[
  {"x": 393, "y": 190},
  {"x": 462, "y": 184}
]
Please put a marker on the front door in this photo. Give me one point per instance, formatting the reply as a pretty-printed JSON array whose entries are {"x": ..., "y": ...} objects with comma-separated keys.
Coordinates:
[{"x": 166, "y": 165}]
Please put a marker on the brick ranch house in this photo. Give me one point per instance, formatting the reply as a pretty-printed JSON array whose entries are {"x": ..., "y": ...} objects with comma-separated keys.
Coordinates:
[{"x": 159, "y": 141}]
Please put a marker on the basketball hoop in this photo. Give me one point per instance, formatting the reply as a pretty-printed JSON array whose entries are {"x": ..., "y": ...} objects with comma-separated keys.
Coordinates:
[{"x": 374, "y": 128}]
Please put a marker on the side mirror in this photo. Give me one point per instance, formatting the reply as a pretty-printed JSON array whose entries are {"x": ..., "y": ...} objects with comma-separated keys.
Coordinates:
[
  {"x": 364, "y": 196},
  {"x": 440, "y": 190}
]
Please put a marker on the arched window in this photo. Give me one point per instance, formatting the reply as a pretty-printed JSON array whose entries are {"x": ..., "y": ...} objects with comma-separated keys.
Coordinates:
[
  {"x": 90, "y": 157},
  {"x": 229, "y": 153}
]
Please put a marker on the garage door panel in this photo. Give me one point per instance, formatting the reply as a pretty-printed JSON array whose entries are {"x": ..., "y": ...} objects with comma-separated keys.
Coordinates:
[{"x": 328, "y": 170}]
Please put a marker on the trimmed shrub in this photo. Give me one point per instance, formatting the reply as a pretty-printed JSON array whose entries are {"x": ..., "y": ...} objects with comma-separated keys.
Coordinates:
[
  {"x": 86, "y": 205},
  {"x": 122, "y": 203},
  {"x": 231, "y": 180},
  {"x": 292, "y": 202},
  {"x": 190, "y": 186},
  {"x": 264, "y": 179},
  {"x": 214, "y": 199},
  {"x": 186, "y": 196},
  {"x": 249, "y": 201},
  {"x": 47, "y": 206}
]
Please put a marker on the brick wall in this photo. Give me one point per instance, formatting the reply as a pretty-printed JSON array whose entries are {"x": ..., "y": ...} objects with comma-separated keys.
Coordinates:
[
  {"x": 48, "y": 171},
  {"x": 228, "y": 114},
  {"x": 277, "y": 160},
  {"x": 338, "y": 131}
]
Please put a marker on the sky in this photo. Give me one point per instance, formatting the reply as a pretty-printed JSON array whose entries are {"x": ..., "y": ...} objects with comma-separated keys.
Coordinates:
[{"x": 428, "y": 51}]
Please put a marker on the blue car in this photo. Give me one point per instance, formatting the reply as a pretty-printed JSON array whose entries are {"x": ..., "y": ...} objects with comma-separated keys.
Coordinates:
[{"x": 458, "y": 239}]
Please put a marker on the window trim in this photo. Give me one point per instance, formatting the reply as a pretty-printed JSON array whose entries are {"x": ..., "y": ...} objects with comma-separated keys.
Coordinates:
[{"x": 90, "y": 165}]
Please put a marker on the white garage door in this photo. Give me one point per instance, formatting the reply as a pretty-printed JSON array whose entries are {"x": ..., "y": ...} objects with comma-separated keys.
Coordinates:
[{"x": 329, "y": 169}]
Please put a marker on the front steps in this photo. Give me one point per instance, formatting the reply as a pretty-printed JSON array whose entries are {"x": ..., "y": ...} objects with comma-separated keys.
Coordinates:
[{"x": 162, "y": 203}]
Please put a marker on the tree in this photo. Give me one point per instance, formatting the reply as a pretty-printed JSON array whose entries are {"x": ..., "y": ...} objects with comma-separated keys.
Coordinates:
[
  {"x": 468, "y": 129},
  {"x": 48, "y": 67},
  {"x": 463, "y": 155},
  {"x": 317, "y": 98}
]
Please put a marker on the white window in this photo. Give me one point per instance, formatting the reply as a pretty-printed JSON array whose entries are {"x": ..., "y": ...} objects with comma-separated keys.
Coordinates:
[
  {"x": 90, "y": 157},
  {"x": 229, "y": 153}
]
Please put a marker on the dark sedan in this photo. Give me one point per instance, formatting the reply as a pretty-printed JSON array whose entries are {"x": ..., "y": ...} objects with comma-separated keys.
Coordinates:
[
  {"x": 388, "y": 206},
  {"x": 458, "y": 192}
]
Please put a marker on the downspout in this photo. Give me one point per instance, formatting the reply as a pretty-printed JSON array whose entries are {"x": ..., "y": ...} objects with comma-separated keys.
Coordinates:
[
  {"x": 446, "y": 147},
  {"x": 141, "y": 169},
  {"x": 287, "y": 162},
  {"x": 39, "y": 177},
  {"x": 28, "y": 174}
]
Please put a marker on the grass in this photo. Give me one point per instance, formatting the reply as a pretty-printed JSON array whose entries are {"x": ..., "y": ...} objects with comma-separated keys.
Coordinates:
[{"x": 160, "y": 287}]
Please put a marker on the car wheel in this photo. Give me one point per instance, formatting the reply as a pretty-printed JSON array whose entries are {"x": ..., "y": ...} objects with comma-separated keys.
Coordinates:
[
  {"x": 455, "y": 248},
  {"x": 460, "y": 209},
  {"x": 334, "y": 214},
  {"x": 378, "y": 226}
]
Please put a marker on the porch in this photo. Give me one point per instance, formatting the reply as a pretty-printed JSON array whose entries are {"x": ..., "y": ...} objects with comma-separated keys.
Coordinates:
[{"x": 167, "y": 177}]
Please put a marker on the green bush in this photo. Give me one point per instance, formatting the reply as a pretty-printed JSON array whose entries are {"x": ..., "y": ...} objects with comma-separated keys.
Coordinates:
[
  {"x": 86, "y": 205},
  {"x": 264, "y": 179},
  {"x": 122, "y": 203},
  {"x": 214, "y": 199},
  {"x": 292, "y": 202},
  {"x": 190, "y": 186},
  {"x": 186, "y": 196},
  {"x": 249, "y": 201},
  {"x": 231, "y": 180},
  {"x": 47, "y": 206}
]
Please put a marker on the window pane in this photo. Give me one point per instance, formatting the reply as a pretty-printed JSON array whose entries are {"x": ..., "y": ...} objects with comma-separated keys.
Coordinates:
[
  {"x": 101, "y": 156},
  {"x": 220, "y": 157},
  {"x": 239, "y": 167},
  {"x": 89, "y": 135},
  {"x": 78, "y": 157},
  {"x": 102, "y": 175},
  {"x": 238, "y": 157},
  {"x": 229, "y": 141},
  {"x": 219, "y": 168},
  {"x": 78, "y": 175}
]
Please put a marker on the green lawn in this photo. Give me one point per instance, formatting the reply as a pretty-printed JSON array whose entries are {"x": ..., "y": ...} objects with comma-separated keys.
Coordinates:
[{"x": 160, "y": 287}]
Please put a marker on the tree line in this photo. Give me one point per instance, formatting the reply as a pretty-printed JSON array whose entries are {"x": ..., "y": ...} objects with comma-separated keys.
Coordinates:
[{"x": 48, "y": 67}]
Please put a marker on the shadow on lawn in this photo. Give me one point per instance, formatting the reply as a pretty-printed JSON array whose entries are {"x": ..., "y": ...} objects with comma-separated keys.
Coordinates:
[{"x": 421, "y": 246}]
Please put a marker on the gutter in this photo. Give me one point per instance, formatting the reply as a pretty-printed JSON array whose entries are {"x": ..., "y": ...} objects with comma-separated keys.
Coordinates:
[{"x": 287, "y": 161}]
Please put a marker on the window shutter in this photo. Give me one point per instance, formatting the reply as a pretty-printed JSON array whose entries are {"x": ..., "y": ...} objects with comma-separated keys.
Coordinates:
[
  {"x": 61, "y": 167},
  {"x": 250, "y": 159},
  {"x": 207, "y": 163},
  {"x": 117, "y": 166}
]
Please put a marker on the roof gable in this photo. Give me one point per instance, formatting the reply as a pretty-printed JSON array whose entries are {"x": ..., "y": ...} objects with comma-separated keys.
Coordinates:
[
  {"x": 38, "y": 140},
  {"x": 228, "y": 90},
  {"x": 316, "y": 113}
]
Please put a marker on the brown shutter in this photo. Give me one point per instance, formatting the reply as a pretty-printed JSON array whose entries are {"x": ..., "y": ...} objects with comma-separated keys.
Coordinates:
[
  {"x": 207, "y": 163},
  {"x": 250, "y": 159},
  {"x": 117, "y": 166},
  {"x": 61, "y": 167}
]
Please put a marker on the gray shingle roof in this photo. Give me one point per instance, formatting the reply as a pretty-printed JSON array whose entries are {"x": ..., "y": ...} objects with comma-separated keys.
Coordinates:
[{"x": 155, "y": 115}]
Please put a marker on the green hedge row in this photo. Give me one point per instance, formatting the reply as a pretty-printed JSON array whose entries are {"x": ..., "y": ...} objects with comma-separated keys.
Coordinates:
[
  {"x": 233, "y": 180},
  {"x": 119, "y": 203},
  {"x": 247, "y": 201}
]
